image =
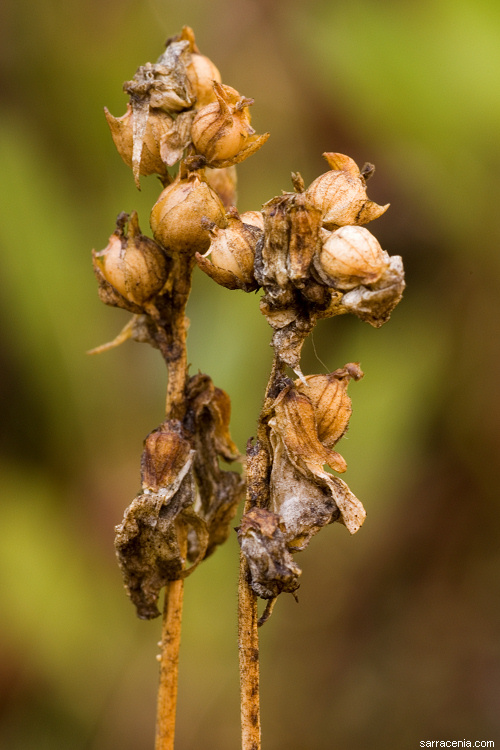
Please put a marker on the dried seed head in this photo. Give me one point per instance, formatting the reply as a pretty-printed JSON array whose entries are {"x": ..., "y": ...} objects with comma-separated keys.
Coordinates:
[
  {"x": 351, "y": 256},
  {"x": 177, "y": 214},
  {"x": 222, "y": 132},
  {"x": 340, "y": 194},
  {"x": 133, "y": 265},
  {"x": 232, "y": 253}
]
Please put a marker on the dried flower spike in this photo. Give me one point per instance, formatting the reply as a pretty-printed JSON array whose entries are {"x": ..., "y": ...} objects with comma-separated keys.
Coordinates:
[{"x": 340, "y": 194}]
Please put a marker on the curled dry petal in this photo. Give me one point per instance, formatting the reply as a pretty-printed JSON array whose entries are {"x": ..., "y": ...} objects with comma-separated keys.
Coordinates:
[
  {"x": 219, "y": 492},
  {"x": 351, "y": 256},
  {"x": 272, "y": 568},
  {"x": 340, "y": 194}
]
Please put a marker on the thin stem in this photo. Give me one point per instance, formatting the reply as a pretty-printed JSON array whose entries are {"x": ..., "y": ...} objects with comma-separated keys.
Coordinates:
[
  {"x": 258, "y": 467},
  {"x": 169, "y": 665},
  {"x": 171, "y": 323},
  {"x": 248, "y": 643}
]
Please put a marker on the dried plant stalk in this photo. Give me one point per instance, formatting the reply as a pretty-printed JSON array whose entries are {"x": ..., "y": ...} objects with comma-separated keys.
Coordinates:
[{"x": 169, "y": 665}]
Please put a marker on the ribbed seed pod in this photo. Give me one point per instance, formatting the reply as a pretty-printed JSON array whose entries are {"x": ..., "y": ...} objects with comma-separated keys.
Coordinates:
[
  {"x": 222, "y": 132},
  {"x": 201, "y": 71},
  {"x": 176, "y": 218},
  {"x": 351, "y": 256},
  {"x": 340, "y": 194},
  {"x": 134, "y": 265},
  {"x": 255, "y": 218}
]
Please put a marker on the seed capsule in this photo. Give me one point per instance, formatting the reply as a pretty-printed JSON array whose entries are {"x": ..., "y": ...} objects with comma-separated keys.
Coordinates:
[
  {"x": 132, "y": 264},
  {"x": 177, "y": 214},
  {"x": 201, "y": 71},
  {"x": 224, "y": 182},
  {"x": 222, "y": 132},
  {"x": 255, "y": 218},
  {"x": 340, "y": 194},
  {"x": 232, "y": 253},
  {"x": 351, "y": 256},
  {"x": 159, "y": 127}
]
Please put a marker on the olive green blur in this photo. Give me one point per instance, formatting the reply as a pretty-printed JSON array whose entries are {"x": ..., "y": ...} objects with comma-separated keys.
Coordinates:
[{"x": 395, "y": 638}]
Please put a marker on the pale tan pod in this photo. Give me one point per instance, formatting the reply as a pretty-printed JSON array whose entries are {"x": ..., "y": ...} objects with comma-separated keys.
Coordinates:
[
  {"x": 340, "y": 194},
  {"x": 233, "y": 249},
  {"x": 351, "y": 256},
  {"x": 202, "y": 73},
  {"x": 177, "y": 214},
  {"x": 134, "y": 265}
]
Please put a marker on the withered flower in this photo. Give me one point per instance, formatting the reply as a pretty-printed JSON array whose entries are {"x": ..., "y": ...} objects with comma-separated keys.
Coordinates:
[
  {"x": 221, "y": 131},
  {"x": 308, "y": 420},
  {"x": 132, "y": 269},
  {"x": 147, "y": 541},
  {"x": 185, "y": 495},
  {"x": 351, "y": 256},
  {"x": 177, "y": 214},
  {"x": 340, "y": 194},
  {"x": 272, "y": 568},
  {"x": 374, "y": 303},
  {"x": 232, "y": 253}
]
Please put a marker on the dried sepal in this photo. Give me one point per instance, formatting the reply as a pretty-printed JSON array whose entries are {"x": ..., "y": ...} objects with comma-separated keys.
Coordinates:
[
  {"x": 176, "y": 217},
  {"x": 340, "y": 194},
  {"x": 232, "y": 253},
  {"x": 132, "y": 269},
  {"x": 374, "y": 304},
  {"x": 349, "y": 257},
  {"x": 221, "y": 131},
  {"x": 272, "y": 568}
]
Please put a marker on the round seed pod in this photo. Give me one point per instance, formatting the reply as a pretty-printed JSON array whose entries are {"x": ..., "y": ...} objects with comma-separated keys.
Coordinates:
[
  {"x": 177, "y": 214},
  {"x": 351, "y": 256}
]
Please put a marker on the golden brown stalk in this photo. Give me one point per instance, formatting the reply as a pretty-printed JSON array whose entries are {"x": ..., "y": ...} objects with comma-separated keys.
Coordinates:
[{"x": 169, "y": 665}]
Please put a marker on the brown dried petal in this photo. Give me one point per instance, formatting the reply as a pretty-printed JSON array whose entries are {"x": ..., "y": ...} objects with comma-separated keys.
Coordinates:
[
  {"x": 220, "y": 492},
  {"x": 272, "y": 568}
]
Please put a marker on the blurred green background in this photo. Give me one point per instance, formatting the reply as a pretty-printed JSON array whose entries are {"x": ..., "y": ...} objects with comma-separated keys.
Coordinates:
[{"x": 396, "y": 636}]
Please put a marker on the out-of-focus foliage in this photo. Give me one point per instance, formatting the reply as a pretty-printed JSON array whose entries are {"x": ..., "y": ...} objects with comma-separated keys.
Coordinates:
[{"x": 395, "y": 639}]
